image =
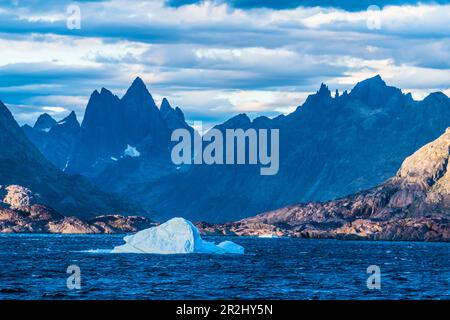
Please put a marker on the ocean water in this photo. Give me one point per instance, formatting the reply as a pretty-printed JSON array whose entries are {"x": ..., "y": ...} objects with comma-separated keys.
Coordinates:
[{"x": 35, "y": 267}]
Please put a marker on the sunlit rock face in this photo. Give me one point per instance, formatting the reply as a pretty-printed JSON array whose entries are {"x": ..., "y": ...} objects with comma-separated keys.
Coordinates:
[
  {"x": 17, "y": 196},
  {"x": 412, "y": 205},
  {"x": 22, "y": 212}
]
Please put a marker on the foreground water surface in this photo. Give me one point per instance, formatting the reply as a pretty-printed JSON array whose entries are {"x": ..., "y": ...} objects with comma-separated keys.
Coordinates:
[{"x": 34, "y": 267}]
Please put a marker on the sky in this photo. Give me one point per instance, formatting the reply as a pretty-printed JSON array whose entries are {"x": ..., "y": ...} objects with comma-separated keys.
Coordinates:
[{"x": 215, "y": 59}]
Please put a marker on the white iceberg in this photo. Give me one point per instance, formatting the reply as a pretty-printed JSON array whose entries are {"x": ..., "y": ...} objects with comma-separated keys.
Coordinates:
[
  {"x": 177, "y": 235},
  {"x": 231, "y": 247},
  {"x": 268, "y": 236}
]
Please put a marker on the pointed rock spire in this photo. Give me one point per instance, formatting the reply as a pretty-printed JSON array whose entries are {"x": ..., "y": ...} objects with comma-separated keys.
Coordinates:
[
  {"x": 165, "y": 107},
  {"x": 138, "y": 83},
  {"x": 141, "y": 115},
  {"x": 44, "y": 122},
  {"x": 179, "y": 113},
  {"x": 174, "y": 118},
  {"x": 70, "y": 121},
  {"x": 324, "y": 90},
  {"x": 137, "y": 90}
]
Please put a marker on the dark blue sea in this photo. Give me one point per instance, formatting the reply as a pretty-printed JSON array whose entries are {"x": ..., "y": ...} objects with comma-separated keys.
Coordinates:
[{"x": 35, "y": 267}]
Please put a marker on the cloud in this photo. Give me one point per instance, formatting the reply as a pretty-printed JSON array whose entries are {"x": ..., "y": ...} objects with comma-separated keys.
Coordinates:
[
  {"x": 216, "y": 58},
  {"x": 348, "y": 5}
]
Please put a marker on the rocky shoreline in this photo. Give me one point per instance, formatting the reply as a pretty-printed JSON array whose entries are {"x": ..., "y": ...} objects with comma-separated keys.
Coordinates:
[
  {"x": 409, "y": 229},
  {"x": 345, "y": 219},
  {"x": 414, "y": 205},
  {"x": 20, "y": 212}
]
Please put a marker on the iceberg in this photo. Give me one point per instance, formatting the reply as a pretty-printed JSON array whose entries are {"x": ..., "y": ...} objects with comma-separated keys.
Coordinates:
[
  {"x": 269, "y": 235},
  {"x": 177, "y": 235}
]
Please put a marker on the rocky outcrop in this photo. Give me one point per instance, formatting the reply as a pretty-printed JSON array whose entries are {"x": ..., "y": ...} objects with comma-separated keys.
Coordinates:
[
  {"x": 21, "y": 213},
  {"x": 17, "y": 196},
  {"x": 118, "y": 224},
  {"x": 398, "y": 229},
  {"x": 413, "y": 205}
]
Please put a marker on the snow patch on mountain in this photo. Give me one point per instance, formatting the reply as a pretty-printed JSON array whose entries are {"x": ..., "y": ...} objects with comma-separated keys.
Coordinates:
[{"x": 131, "y": 151}]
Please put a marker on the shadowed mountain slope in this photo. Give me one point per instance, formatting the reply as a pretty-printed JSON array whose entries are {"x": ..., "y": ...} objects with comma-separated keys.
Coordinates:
[{"x": 22, "y": 164}]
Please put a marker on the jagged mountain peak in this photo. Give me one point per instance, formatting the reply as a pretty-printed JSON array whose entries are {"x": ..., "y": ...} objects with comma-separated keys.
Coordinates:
[
  {"x": 141, "y": 117},
  {"x": 138, "y": 83},
  {"x": 180, "y": 113},
  {"x": 167, "y": 110},
  {"x": 436, "y": 97},
  {"x": 105, "y": 92},
  {"x": 324, "y": 90},
  {"x": 239, "y": 121},
  {"x": 103, "y": 95},
  {"x": 375, "y": 80},
  {"x": 138, "y": 90},
  {"x": 68, "y": 125},
  {"x": 321, "y": 98},
  {"x": 375, "y": 92},
  {"x": 44, "y": 122},
  {"x": 72, "y": 116},
  {"x": 165, "y": 106},
  {"x": 373, "y": 83},
  {"x": 5, "y": 114}
]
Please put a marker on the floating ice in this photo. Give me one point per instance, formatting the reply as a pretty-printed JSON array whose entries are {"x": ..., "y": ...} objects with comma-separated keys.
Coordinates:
[
  {"x": 269, "y": 235},
  {"x": 100, "y": 251},
  {"x": 177, "y": 235},
  {"x": 231, "y": 247}
]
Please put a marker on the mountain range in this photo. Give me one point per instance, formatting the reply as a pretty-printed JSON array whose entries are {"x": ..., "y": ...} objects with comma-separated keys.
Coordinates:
[
  {"x": 331, "y": 146},
  {"x": 121, "y": 141},
  {"x": 22, "y": 164}
]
